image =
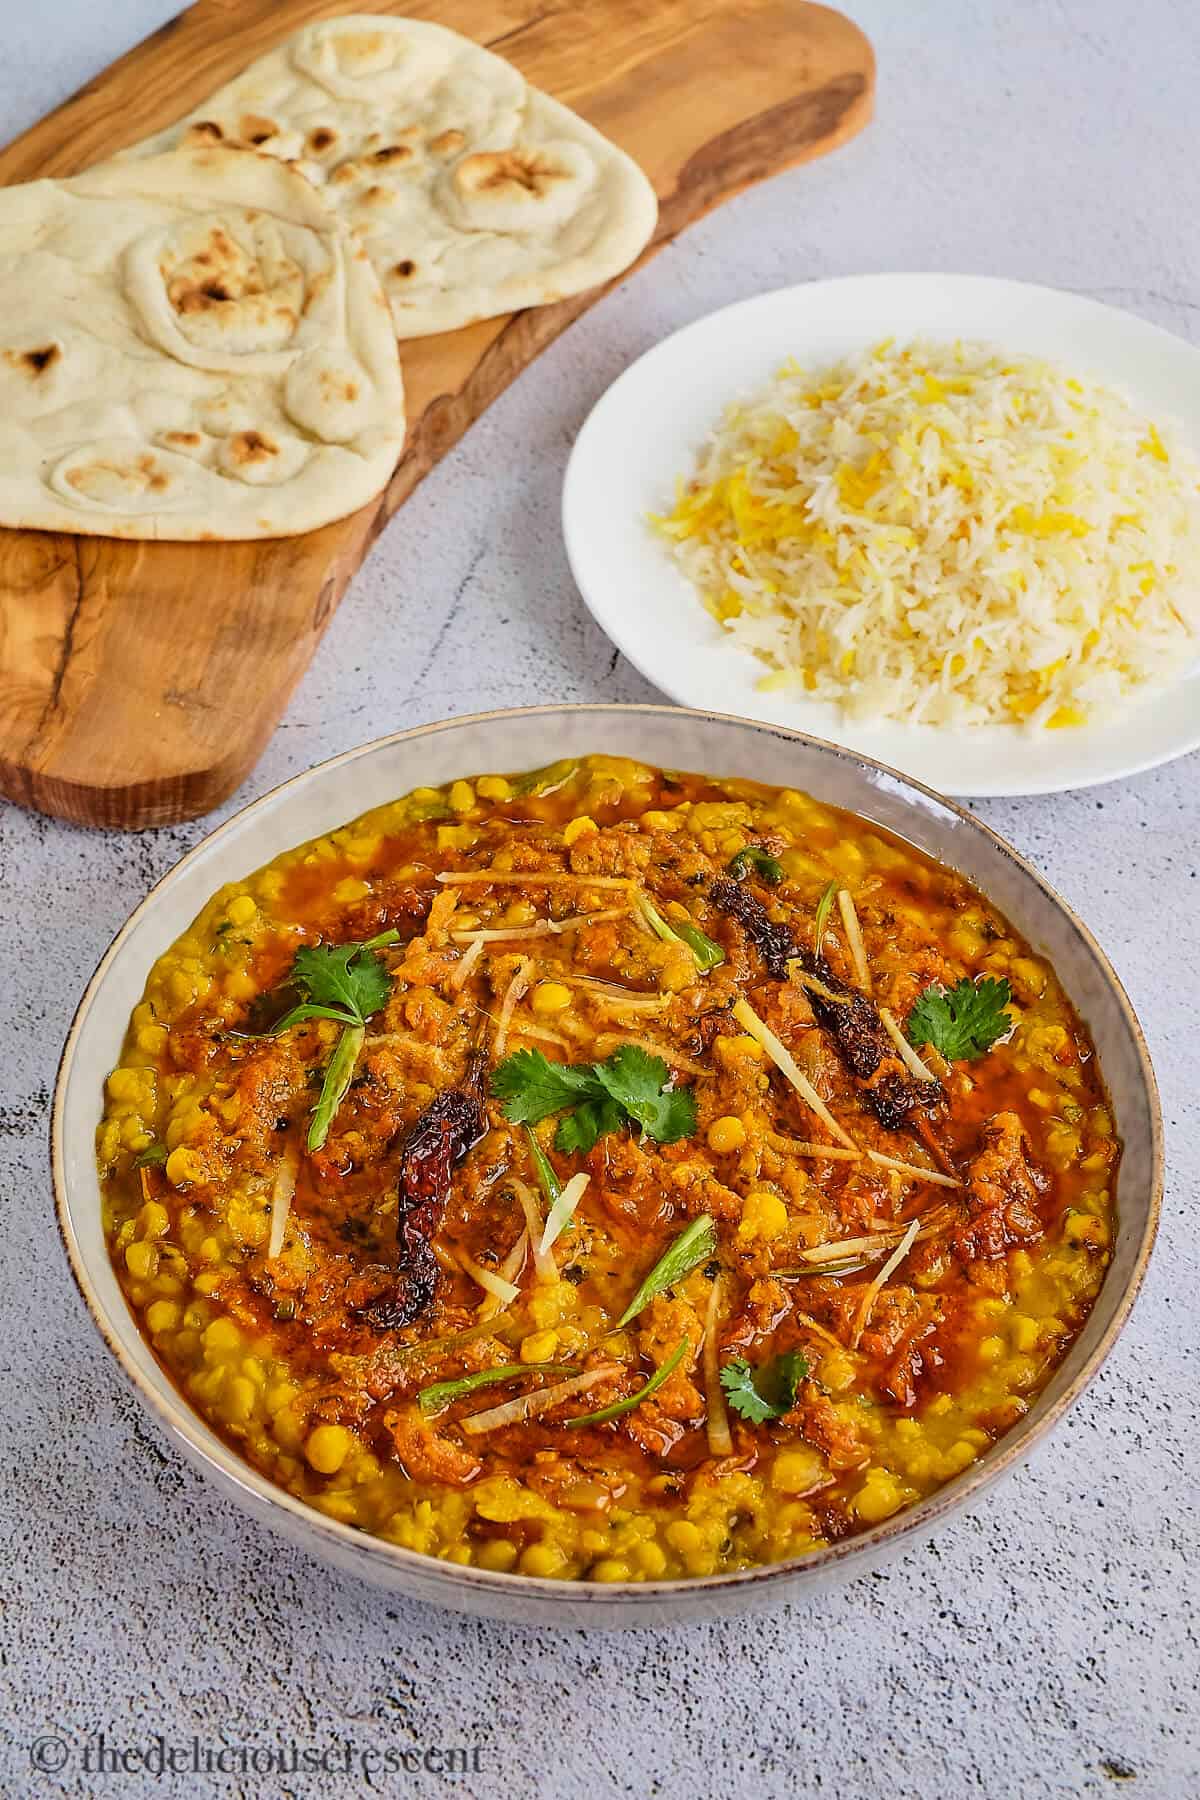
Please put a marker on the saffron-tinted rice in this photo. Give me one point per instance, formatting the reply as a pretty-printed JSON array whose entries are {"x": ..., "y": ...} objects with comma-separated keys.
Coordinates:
[{"x": 949, "y": 536}]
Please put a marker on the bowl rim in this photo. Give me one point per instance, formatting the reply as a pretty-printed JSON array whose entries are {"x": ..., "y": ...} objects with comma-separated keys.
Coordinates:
[{"x": 347, "y": 1543}]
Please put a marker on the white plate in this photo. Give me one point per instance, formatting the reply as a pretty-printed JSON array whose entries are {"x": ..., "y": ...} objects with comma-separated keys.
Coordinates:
[{"x": 646, "y": 429}]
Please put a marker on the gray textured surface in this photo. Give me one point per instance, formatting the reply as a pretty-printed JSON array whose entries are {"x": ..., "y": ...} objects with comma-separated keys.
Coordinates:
[{"x": 1046, "y": 1646}]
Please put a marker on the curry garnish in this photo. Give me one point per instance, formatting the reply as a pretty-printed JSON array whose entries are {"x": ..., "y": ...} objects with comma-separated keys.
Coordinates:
[
  {"x": 543, "y": 1168},
  {"x": 691, "y": 1248},
  {"x": 450, "y": 1126},
  {"x": 706, "y": 954},
  {"x": 630, "y": 1086},
  {"x": 539, "y": 1172},
  {"x": 821, "y": 916},
  {"x": 347, "y": 983},
  {"x": 766, "y": 1392},
  {"x": 768, "y": 868},
  {"x": 848, "y": 1015},
  {"x": 964, "y": 1021},
  {"x": 438, "y": 1395},
  {"x": 605, "y": 1414}
]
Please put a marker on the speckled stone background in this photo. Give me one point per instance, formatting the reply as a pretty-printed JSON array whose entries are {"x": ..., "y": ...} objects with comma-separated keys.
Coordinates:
[{"x": 1046, "y": 1646}]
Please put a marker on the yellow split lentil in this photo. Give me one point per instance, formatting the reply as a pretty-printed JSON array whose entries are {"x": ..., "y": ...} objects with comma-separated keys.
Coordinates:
[{"x": 310, "y": 1361}]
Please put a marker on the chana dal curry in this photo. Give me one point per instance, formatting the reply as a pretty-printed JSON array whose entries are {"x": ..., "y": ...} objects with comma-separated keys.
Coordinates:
[{"x": 608, "y": 1173}]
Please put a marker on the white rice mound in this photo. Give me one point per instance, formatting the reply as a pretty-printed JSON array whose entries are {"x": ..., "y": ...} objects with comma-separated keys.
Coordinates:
[{"x": 945, "y": 535}]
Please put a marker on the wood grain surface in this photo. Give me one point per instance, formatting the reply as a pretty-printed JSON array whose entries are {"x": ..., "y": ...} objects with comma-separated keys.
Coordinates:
[{"x": 139, "y": 682}]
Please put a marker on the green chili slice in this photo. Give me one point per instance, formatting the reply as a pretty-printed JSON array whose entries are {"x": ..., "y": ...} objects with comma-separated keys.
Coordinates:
[
  {"x": 548, "y": 1181},
  {"x": 618, "y": 1407},
  {"x": 439, "y": 1394},
  {"x": 822, "y": 918},
  {"x": 705, "y": 953},
  {"x": 692, "y": 1247},
  {"x": 382, "y": 941},
  {"x": 767, "y": 867},
  {"x": 338, "y": 1077}
]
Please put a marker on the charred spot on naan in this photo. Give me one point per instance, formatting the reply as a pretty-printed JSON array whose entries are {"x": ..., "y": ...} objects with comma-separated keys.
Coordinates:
[
  {"x": 197, "y": 446},
  {"x": 505, "y": 171},
  {"x": 106, "y": 478},
  {"x": 525, "y": 188},
  {"x": 201, "y": 132},
  {"x": 256, "y": 130},
  {"x": 237, "y": 284},
  {"x": 361, "y": 53},
  {"x": 446, "y": 143},
  {"x": 328, "y": 395},
  {"x": 247, "y": 447},
  {"x": 336, "y": 386},
  {"x": 219, "y": 272},
  {"x": 186, "y": 297},
  {"x": 34, "y": 363},
  {"x": 251, "y": 454},
  {"x": 321, "y": 140},
  {"x": 397, "y": 160}
]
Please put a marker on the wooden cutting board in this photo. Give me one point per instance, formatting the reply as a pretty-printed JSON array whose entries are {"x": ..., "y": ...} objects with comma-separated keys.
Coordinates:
[{"x": 140, "y": 682}]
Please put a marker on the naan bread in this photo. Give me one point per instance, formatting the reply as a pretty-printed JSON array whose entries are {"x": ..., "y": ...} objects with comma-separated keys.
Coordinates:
[
  {"x": 190, "y": 347},
  {"x": 473, "y": 193}
]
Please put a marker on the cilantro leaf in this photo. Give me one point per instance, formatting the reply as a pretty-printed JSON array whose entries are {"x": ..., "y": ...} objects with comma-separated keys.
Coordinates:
[
  {"x": 737, "y": 1379},
  {"x": 348, "y": 976},
  {"x": 632, "y": 1074},
  {"x": 152, "y": 1157},
  {"x": 345, "y": 983},
  {"x": 768, "y": 868},
  {"x": 595, "y": 1098},
  {"x": 766, "y": 1392},
  {"x": 579, "y": 1129},
  {"x": 963, "y": 1022},
  {"x": 531, "y": 1086},
  {"x": 637, "y": 1081}
]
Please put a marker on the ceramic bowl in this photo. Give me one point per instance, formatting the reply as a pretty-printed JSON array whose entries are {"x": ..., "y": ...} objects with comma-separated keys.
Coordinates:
[{"x": 337, "y": 791}]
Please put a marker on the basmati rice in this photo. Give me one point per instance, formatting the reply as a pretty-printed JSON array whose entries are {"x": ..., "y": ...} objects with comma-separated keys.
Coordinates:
[{"x": 948, "y": 536}]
